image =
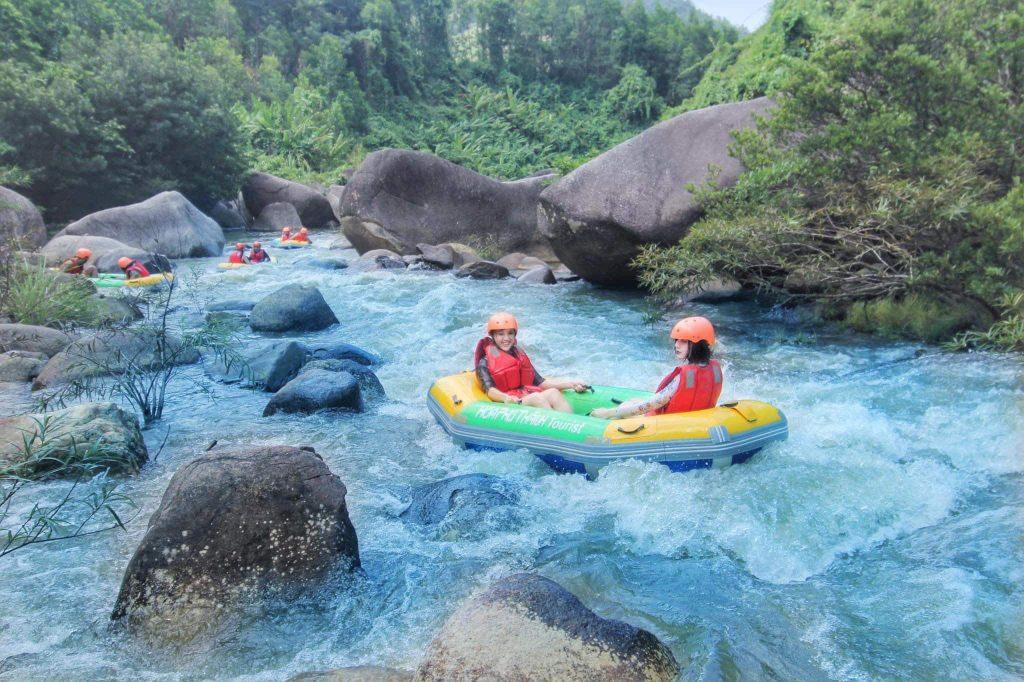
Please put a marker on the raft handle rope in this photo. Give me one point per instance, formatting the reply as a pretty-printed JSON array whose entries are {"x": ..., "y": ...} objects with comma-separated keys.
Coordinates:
[{"x": 627, "y": 431}]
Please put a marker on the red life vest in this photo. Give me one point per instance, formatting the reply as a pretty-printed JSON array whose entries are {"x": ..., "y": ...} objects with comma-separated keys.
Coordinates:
[
  {"x": 512, "y": 374},
  {"x": 236, "y": 256},
  {"x": 258, "y": 256},
  {"x": 135, "y": 270},
  {"x": 77, "y": 265},
  {"x": 699, "y": 388}
]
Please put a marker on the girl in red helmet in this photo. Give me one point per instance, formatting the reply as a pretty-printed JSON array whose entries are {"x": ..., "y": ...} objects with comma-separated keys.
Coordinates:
[
  {"x": 694, "y": 385},
  {"x": 238, "y": 255},
  {"x": 508, "y": 376}
]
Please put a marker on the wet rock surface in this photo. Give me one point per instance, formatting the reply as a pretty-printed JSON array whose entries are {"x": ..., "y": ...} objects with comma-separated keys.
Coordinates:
[
  {"x": 317, "y": 389},
  {"x": 268, "y": 366},
  {"x": 20, "y": 219},
  {"x": 232, "y": 526},
  {"x": 460, "y": 498},
  {"x": 33, "y": 338},
  {"x": 262, "y": 189},
  {"x": 277, "y": 215},
  {"x": 292, "y": 308},
  {"x": 527, "y": 627},
  {"x": 21, "y": 365}
]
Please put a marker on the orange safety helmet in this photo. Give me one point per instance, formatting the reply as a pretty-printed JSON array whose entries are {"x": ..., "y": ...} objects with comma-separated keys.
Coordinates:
[
  {"x": 83, "y": 253},
  {"x": 256, "y": 245},
  {"x": 694, "y": 329},
  {"x": 500, "y": 321},
  {"x": 123, "y": 262},
  {"x": 239, "y": 246}
]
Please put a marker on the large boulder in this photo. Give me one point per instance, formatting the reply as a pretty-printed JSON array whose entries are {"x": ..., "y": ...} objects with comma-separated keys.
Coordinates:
[
  {"x": 526, "y": 627},
  {"x": 400, "y": 198},
  {"x": 334, "y": 195},
  {"x": 467, "y": 497},
  {"x": 232, "y": 526},
  {"x": 539, "y": 275},
  {"x": 315, "y": 390},
  {"x": 266, "y": 366},
  {"x": 227, "y": 215},
  {"x": 32, "y": 338},
  {"x": 20, "y": 365},
  {"x": 113, "y": 352},
  {"x": 20, "y": 220},
  {"x": 105, "y": 251},
  {"x": 521, "y": 262},
  {"x": 263, "y": 189},
  {"x": 369, "y": 384},
  {"x": 167, "y": 223},
  {"x": 598, "y": 216},
  {"x": 277, "y": 215},
  {"x": 86, "y": 436},
  {"x": 292, "y": 308}
]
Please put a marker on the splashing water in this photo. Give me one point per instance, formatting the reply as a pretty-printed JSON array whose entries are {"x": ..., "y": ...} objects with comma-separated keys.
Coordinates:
[{"x": 882, "y": 540}]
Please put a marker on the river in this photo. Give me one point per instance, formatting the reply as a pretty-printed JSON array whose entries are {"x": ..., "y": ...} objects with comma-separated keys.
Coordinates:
[{"x": 882, "y": 540}]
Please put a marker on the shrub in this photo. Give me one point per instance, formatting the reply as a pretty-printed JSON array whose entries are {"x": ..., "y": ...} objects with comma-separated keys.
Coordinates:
[
  {"x": 634, "y": 97},
  {"x": 43, "y": 297}
]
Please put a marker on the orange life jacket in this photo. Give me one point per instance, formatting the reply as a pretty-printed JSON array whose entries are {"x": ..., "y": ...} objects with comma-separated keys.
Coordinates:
[
  {"x": 699, "y": 388},
  {"x": 75, "y": 265},
  {"x": 258, "y": 256},
  {"x": 512, "y": 374},
  {"x": 236, "y": 256}
]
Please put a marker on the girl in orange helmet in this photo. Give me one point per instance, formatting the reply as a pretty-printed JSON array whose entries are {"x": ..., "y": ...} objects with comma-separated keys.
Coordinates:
[
  {"x": 79, "y": 264},
  {"x": 694, "y": 385},
  {"x": 302, "y": 237},
  {"x": 508, "y": 376},
  {"x": 132, "y": 268}
]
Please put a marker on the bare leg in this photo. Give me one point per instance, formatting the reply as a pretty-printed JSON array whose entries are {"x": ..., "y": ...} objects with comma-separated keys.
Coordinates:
[
  {"x": 557, "y": 401},
  {"x": 536, "y": 400}
]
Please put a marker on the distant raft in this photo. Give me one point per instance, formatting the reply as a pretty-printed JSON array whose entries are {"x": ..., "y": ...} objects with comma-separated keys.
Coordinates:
[
  {"x": 575, "y": 443},
  {"x": 110, "y": 280},
  {"x": 291, "y": 244},
  {"x": 235, "y": 266}
]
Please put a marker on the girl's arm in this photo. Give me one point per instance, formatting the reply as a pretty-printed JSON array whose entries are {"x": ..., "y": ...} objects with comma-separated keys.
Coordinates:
[{"x": 637, "y": 406}]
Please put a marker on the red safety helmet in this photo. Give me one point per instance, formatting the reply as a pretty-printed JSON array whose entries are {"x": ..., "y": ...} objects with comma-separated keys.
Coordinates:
[
  {"x": 694, "y": 330},
  {"x": 83, "y": 253},
  {"x": 500, "y": 321}
]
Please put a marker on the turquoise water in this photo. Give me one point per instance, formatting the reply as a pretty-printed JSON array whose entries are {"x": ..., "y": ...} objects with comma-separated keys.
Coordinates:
[{"x": 882, "y": 540}]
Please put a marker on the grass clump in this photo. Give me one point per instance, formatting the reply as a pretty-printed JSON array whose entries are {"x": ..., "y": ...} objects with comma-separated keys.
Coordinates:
[{"x": 38, "y": 296}]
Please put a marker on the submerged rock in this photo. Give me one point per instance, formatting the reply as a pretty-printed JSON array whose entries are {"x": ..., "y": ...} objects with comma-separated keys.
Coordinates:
[
  {"x": 231, "y": 305},
  {"x": 463, "y": 497},
  {"x": 261, "y": 189},
  {"x": 232, "y": 526},
  {"x": 342, "y": 351},
  {"x": 93, "y": 435},
  {"x": 315, "y": 390},
  {"x": 598, "y": 216},
  {"x": 378, "y": 259},
  {"x": 114, "y": 311},
  {"x": 33, "y": 338},
  {"x": 20, "y": 365},
  {"x": 526, "y": 627},
  {"x": 325, "y": 263},
  {"x": 167, "y": 223},
  {"x": 292, "y": 308},
  {"x": 268, "y": 366},
  {"x": 400, "y": 198},
  {"x": 20, "y": 220}
]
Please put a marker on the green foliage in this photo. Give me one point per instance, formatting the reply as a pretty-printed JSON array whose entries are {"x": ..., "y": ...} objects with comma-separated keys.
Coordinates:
[
  {"x": 1006, "y": 334},
  {"x": 915, "y": 316},
  {"x": 891, "y": 169},
  {"x": 634, "y": 97},
  {"x": 35, "y": 295}
]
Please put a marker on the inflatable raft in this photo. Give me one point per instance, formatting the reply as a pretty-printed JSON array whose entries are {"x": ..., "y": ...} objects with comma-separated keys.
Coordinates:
[
  {"x": 235, "y": 266},
  {"x": 109, "y": 280},
  {"x": 575, "y": 443},
  {"x": 291, "y": 244}
]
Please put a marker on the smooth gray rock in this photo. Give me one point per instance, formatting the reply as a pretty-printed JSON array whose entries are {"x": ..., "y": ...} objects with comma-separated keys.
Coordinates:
[
  {"x": 442, "y": 255},
  {"x": 326, "y": 263},
  {"x": 227, "y": 215},
  {"x": 326, "y": 350},
  {"x": 334, "y": 194},
  {"x": 32, "y": 338},
  {"x": 268, "y": 366},
  {"x": 521, "y": 262},
  {"x": 113, "y": 310},
  {"x": 292, "y": 308},
  {"x": 526, "y": 627},
  {"x": 597, "y": 217},
  {"x": 361, "y": 673},
  {"x": 105, "y": 251},
  {"x": 466, "y": 497},
  {"x": 231, "y": 304},
  {"x": 400, "y": 198},
  {"x": 369, "y": 384},
  {"x": 378, "y": 259},
  {"x": 110, "y": 352},
  {"x": 483, "y": 269},
  {"x": 231, "y": 527},
  {"x": 99, "y": 435},
  {"x": 316, "y": 390},
  {"x": 20, "y": 220},
  {"x": 261, "y": 189},
  {"x": 20, "y": 365},
  {"x": 167, "y": 223},
  {"x": 277, "y": 215},
  {"x": 538, "y": 275}
]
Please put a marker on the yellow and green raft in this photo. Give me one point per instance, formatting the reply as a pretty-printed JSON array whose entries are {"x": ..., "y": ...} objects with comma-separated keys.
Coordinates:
[
  {"x": 110, "y": 280},
  {"x": 575, "y": 443}
]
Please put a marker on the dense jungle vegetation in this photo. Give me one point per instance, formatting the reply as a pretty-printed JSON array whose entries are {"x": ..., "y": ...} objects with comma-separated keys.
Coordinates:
[{"x": 885, "y": 189}]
